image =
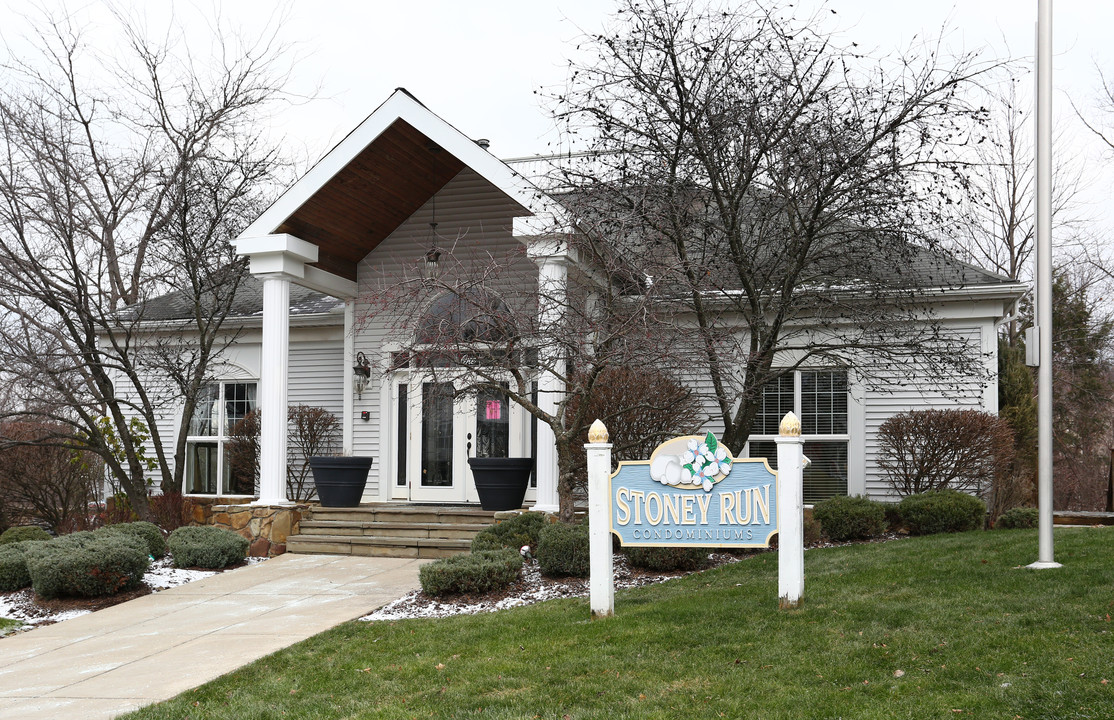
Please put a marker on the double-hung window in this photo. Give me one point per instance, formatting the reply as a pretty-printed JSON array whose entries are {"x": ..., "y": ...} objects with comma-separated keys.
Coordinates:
[
  {"x": 819, "y": 398},
  {"x": 219, "y": 407}
]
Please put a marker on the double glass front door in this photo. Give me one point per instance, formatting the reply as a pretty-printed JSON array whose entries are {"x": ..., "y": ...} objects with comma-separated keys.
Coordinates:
[{"x": 436, "y": 434}]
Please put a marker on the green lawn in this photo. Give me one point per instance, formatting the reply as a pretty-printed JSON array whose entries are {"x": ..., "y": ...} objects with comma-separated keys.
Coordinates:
[
  {"x": 7, "y": 625},
  {"x": 933, "y": 627}
]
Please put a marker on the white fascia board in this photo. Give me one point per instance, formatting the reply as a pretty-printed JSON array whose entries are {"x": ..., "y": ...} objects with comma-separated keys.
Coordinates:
[
  {"x": 401, "y": 106},
  {"x": 183, "y": 327},
  {"x": 1004, "y": 291}
]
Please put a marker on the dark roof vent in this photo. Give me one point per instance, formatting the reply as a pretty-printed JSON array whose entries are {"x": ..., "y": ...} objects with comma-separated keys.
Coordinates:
[{"x": 484, "y": 143}]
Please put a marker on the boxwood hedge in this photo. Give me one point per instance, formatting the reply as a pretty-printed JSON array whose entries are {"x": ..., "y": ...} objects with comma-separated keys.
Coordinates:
[
  {"x": 940, "y": 511},
  {"x": 13, "y": 566},
  {"x": 206, "y": 547},
  {"x": 477, "y": 572},
  {"x": 148, "y": 532},
  {"x": 514, "y": 533},
  {"x": 563, "y": 550},
  {"x": 664, "y": 559},
  {"x": 22, "y": 533},
  {"x": 87, "y": 564},
  {"x": 1018, "y": 517},
  {"x": 850, "y": 518}
]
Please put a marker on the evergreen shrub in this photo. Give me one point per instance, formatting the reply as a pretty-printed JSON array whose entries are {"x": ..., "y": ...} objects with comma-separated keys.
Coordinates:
[
  {"x": 87, "y": 564},
  {"x": 1018, "y": 517},
  {"x": 478, "y": 572},
  {"x": 939, "y": 511},
  {"x": 206, "y": 547},
  {"x": 21, "y": 533},
  {"x": 148, "y": 532},
  {"x": 563, "y": 550},
  {"x": 664, "y": 559},
  {"x": 13, "y": 566},
  {"x": 513, "y": 533},
  {"x": 850, "y": 518}
]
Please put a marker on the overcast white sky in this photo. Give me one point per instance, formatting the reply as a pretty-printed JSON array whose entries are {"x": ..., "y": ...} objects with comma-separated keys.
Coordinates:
[{"x": 479, "y": 64}]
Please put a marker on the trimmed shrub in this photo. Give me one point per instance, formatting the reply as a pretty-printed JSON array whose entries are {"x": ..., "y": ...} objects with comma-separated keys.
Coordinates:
[
  {"x": 22, "y": 533},
  {"x": 850, "y": 518},
  {"x": 13, "y": 566},
  {"x": 939, "y": 511},
  {"x": 563, "y": 550},
  {"x": 663, "y": 559},
  {"x": 1018, "y": 517},
  {"x": 922, "y": 450},
  {"x": 478, "y": 572},
  {"x": 87, "y": 564},
  {"x": 149, "y": 533},
  {"x": 520, "y": 530},
  {"x": 206, "y": 547}
]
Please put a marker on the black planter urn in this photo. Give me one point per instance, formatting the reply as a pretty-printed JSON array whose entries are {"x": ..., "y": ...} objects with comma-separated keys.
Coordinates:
[
  {"x": 340, "y": 481},
  {"x": 501, "y": 482}
]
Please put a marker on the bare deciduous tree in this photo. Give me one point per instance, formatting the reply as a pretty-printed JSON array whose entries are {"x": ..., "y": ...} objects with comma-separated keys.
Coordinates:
[
  {"x": 121, "y": 180},
  {"x": 781, "y": 193},
  {"x": 963, "y": 450},
  {"x": 46, "y": 482}
]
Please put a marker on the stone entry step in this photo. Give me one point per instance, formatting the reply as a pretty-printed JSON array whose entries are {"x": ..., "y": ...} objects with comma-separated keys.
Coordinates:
[{"x": 389, "y": 530}]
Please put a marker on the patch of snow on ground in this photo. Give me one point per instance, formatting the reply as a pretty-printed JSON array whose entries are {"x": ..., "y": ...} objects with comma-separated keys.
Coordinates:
[
  {"x": 162, "y": 575},
  {"x": 21, "y": 606},
  {"x": 531, "y": 588}
]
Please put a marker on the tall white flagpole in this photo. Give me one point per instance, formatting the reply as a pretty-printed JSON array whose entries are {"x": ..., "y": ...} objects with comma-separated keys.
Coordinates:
[{"x": 1044, "y": 285}]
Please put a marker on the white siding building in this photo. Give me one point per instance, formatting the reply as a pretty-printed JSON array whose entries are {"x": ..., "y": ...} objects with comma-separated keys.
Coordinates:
[{"x": 362, "y": 216}]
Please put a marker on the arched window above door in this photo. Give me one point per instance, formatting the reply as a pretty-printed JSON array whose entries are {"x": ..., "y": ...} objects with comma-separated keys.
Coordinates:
[{"x": 465, "y": 317}]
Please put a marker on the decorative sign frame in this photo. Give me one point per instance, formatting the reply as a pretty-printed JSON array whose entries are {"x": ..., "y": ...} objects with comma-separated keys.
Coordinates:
[{"x": 692, "y": 492}]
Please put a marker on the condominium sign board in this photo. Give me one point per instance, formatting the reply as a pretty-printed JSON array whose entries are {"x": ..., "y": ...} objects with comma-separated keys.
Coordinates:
[{"x": 692, "y": 492}]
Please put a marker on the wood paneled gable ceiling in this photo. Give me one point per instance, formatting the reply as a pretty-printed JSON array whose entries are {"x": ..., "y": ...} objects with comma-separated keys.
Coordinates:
[{"x": 371, "y": 196}]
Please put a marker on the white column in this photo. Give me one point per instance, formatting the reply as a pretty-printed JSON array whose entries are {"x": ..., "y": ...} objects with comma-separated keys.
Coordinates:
[
  {"x": 601, "y": 561},
  {"x": 552, "y": 288},
  {"x": 349, "y": 388},
  {"x": 790, "y": 514},
  {"x": 273, "y": 394}
]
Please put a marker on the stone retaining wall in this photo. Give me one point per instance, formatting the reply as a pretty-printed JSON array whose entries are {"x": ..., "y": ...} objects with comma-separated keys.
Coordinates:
[
  {"x": 199, "y": 510},
  {"x": 265, "y": 526}
]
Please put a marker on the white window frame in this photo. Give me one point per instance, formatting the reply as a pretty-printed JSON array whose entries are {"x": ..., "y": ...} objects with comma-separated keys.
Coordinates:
[
  {"x": 853, "y": 483},
  {"x": 220, "y": 439}
]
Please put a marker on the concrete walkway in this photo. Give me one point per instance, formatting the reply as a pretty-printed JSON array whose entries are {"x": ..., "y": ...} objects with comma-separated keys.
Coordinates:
[{"x": 152, "y": 648}]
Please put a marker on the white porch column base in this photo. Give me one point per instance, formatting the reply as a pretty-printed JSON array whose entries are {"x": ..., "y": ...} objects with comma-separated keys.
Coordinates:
[{"x": 272, "y": 391}]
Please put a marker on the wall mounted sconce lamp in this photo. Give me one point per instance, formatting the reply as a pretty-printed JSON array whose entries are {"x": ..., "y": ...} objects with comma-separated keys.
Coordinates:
[{"x": 361, "y": 373}]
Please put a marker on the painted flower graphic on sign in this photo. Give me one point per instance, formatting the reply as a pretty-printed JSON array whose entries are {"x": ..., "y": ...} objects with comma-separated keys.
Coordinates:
[{"x": 702, "y": 464}]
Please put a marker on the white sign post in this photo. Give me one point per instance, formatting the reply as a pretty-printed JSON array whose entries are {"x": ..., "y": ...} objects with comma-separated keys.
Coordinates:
[
  {"x": 790, "y": 510},
  {"x": 601, "y": 561}
]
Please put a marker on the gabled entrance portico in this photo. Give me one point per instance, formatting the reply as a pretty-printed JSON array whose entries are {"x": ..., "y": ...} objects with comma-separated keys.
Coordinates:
[{"x": 318, "y": 232}]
